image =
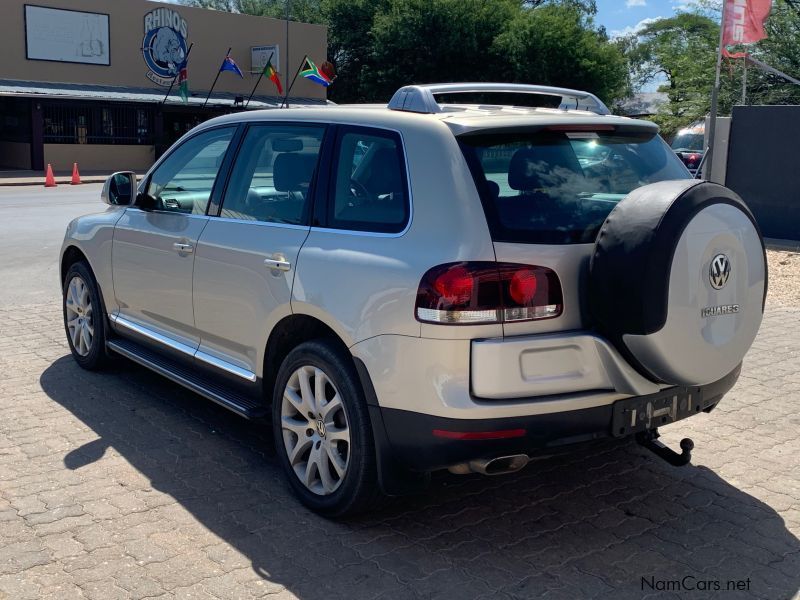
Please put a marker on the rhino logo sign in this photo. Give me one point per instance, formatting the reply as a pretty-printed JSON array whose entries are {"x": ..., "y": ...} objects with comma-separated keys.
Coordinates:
[{"x": 164, "y": 44}]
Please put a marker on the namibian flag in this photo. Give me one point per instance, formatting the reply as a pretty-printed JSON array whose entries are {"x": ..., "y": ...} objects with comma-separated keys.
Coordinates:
[
  {"x": 270, "y": 72},
  {"x": 183, "y": 81},
  {"x": 230, "y": 65},
  {"x": 324, "y": 75}
]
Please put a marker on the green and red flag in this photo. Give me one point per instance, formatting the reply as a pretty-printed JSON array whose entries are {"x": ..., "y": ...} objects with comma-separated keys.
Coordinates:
[
  {"x": 273, "y": 75},
  {"x": 183, "y": 81}
]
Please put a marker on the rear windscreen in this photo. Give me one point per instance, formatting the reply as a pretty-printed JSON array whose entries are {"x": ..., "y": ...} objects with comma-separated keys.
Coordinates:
[{"x": 557, "y": 187}]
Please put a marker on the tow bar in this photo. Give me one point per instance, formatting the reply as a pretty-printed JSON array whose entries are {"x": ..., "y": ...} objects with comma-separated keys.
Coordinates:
[{"x": 649, "y": 439}]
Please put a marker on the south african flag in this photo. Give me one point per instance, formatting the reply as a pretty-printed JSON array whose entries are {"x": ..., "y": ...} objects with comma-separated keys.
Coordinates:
[{"x": 323, "y": 75}]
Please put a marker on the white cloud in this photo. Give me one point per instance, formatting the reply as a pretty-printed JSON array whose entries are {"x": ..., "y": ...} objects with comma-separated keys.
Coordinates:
[
  {"x": 631, "y": 29},
  {"x": 630, "y": 3}
]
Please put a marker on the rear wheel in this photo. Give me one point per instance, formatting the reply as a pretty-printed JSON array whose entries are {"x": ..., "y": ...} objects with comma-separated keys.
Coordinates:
[
  {"x": 322, "y": 430},
  {"x": 84, "y": 320}
]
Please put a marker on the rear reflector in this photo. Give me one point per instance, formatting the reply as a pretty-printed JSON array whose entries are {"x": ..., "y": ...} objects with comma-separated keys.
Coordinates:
[
  {"x": 470, "y": 293},
  {"x": 502, "y": 434}
]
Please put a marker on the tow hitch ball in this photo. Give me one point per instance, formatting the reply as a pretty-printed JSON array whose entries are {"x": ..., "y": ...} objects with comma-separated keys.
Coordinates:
[{"x": 649, "y": 439}]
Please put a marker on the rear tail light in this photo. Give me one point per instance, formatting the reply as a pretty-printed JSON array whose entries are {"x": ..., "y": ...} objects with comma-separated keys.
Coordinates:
[{"x": 467, "y": 293}]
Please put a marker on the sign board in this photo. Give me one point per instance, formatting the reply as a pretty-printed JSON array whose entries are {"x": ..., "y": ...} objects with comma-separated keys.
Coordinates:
[
  {"x": 66, "y": 36},
  {"x": 259, "y": 56},
  {"x": 164, "y": 45}
]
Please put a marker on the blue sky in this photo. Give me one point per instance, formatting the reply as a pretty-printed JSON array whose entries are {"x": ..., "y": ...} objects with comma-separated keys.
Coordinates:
[{"x": 623, "y": 16}]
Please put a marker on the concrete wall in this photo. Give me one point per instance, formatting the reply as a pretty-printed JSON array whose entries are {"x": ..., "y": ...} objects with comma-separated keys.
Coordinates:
[
  {"x": 99, "y": 157},
  {"x": 211, "y": 31},
  {"x": 15, "y": 155}
]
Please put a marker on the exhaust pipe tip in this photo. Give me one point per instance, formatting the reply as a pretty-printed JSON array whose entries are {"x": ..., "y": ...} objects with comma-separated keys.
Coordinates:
[{"x": 500, "y": 465}]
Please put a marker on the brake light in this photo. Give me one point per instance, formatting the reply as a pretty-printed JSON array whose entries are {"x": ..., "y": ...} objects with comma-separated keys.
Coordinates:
[{"x": 466, "y": 293}]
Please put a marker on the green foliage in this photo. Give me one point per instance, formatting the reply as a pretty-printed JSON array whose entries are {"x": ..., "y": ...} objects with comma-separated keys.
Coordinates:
[
  {"x": 380, "y": 45},
  {"x": 422, "y": 41},
  {"x": 682, "y": 50},
  {"x": 559, "y": 45}
]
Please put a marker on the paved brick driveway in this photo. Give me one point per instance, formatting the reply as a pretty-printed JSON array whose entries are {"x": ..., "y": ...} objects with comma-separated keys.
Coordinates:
[{"x": 123, "y": 485}]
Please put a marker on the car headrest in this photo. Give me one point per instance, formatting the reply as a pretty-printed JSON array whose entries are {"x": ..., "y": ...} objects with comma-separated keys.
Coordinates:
[
  {"x": 546, "y": 165},
  {"x": 292, "y": 172},
  {"x": 385, "y": 174}
]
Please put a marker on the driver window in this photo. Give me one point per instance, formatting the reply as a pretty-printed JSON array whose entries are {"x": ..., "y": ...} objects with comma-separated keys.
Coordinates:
[
  {"x": 183, "y": 182},
  {"x": 370, "y": 193}
]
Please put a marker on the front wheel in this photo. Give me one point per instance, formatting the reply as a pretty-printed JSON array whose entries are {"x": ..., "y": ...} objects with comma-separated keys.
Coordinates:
[
  {"x": 322, "y": 430},
  {"x": 84, "y": 320}
]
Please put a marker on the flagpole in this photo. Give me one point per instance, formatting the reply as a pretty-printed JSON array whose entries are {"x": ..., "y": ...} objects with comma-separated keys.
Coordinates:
[
  {"x": 269, "y": 60},
  {"x": 227, "y": 54},
  {"x": 185, "y": 58},
  {"x": 744, "y": 80},
  {"x": 289, "y": 89},
  {"x": 712, "y": 128}
]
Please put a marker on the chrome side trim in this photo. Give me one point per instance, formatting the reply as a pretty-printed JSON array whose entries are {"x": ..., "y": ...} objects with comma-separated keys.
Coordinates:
[
  {"x": 183, "y": 348},
  {"x": 179, "y": 379},
  {"x": 225, "y": 366},
  {"x": 152, "y": 335}
]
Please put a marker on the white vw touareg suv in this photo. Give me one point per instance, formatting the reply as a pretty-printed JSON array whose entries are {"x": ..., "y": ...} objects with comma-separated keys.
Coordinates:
[{"x": 425, "y": 285}]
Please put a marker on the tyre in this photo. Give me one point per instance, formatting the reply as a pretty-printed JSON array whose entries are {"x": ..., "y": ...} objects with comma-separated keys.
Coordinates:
[
  {"x": 322, "y": 430},
  {"x": 678, "y": 281},
  {"x": 84, "y": 317}
]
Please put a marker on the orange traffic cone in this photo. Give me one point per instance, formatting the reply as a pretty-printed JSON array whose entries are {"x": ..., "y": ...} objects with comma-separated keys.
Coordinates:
[
  {"x": 49, "y": 180},
  {"x": 76, "y": 177}
]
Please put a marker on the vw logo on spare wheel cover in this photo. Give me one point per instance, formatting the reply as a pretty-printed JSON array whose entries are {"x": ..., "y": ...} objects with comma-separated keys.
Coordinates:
[{"x": 719, "y": 271}]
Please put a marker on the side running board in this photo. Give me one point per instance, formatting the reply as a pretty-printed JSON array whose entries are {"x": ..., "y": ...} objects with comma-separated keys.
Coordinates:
[{"x": 190, "y": 379}]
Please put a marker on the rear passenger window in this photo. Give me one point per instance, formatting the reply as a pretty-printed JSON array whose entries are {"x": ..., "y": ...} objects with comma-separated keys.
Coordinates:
[
  {"x": 271, "y": 179},
  {"x": 370, "y": 191},
  {"x": 184, "y": 180}
]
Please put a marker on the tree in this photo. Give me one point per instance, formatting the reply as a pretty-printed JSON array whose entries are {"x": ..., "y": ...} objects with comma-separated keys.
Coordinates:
[
  {"x": 682, "y": 51},
  {"x": 379, "y": 45},
  {"x": 557, "y": 44},
  {"x": 423, "y": 41}
]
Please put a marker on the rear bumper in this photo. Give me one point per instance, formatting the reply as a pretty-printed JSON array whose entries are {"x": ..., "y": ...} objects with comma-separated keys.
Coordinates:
[{"x": 408, "y": 437}]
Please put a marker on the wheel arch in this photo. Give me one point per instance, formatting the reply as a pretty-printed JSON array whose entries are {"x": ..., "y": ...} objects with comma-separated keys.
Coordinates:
[
  {"x": 69, "y": 257},
  {"x": 293, "y": 330},
  {"x": 287, "y": 334}
]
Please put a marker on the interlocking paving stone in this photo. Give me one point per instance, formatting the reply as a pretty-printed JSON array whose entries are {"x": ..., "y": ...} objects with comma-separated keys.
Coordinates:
[{"x": 122, "y": 485}]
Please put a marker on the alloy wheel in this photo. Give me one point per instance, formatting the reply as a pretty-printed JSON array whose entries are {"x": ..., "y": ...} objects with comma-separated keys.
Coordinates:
[
  {"x": 79, "y": 315},
  {"x": 316, "y": 433}
]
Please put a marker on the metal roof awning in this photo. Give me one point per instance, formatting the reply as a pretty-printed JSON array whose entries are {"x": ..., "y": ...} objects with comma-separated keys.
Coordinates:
[{"x": 79, "y": 91}]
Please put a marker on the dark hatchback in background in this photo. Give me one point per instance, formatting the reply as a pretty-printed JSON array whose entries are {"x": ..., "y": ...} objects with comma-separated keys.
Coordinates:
[{"x": 689, "y": 145}]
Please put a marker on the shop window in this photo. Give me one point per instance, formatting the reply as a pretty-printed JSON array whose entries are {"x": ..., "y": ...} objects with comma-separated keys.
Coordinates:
[{"x": 67, "y": 123}]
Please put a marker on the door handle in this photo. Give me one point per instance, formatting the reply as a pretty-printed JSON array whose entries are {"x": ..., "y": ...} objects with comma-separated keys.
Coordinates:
[
  {"x": 279, "y": 262},
  {"x": 181, "y": 247}
]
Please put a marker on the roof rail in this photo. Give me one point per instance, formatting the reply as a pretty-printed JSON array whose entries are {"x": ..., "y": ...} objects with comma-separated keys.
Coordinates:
[{"x": 421, "y": 98}]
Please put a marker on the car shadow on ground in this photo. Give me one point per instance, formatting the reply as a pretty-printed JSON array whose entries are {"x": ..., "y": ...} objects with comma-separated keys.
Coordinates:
[{"x": 610, "y": 521}]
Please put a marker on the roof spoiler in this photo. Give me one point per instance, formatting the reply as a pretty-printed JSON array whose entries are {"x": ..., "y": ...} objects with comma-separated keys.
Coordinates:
[{"x": 422, "y": 98}]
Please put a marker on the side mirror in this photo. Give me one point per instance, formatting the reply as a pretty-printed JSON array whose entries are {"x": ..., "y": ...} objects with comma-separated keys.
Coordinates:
[{"x": 119, "y": 189}]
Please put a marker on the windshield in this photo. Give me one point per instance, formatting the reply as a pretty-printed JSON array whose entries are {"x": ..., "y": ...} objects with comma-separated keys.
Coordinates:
[
  {"x": 688, "y": 141},
  {"x": 557, "y": 187}
]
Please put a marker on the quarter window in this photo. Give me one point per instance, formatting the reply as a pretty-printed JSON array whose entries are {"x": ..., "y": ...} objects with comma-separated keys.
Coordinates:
[
  {"x": 271, "y": 180},
  {"x": 184, "y": 180},
  {"x": 370, "y": 191}
]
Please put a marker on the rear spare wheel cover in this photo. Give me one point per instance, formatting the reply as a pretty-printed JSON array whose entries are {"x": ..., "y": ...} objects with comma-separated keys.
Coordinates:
[{"x": 678, "y": 280}]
